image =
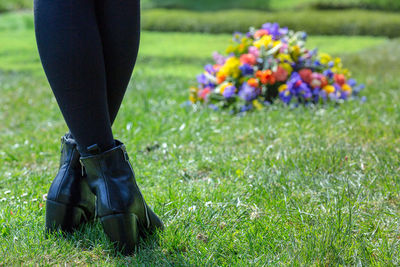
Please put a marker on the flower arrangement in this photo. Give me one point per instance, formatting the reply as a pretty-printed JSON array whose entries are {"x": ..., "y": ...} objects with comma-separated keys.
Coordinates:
[{"x": 268, "y": 64}]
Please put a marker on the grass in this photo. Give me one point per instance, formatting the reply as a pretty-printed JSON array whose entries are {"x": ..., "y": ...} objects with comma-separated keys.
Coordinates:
[{"x": 303, "y": 186}]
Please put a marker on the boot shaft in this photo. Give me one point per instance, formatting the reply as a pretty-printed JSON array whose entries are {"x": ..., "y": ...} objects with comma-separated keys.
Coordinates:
[{"x": 111, "y": 178}]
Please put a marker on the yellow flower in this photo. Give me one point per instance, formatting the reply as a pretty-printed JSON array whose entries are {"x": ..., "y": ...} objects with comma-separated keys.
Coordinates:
[
  {"x": 325, "y": 58},
  {"x": 231, "y": 68},
  {"x": 193, "y": 94},
  {"x": 222, "y": 72},
  {"x": 287, "y": 67},
  {"x": 295, "y": 50},
  {"x": 347, "y": 88},
  {"x": 276, "y": 43},
  {"x": 284, "y": 58},
  {"x": 338, "y": 62},
  {"x": 329, "y": 89},
  {"x": 283, "y": 87},
  {"x": 264, "y": 41},
  {"x": 257, "y": 104}
]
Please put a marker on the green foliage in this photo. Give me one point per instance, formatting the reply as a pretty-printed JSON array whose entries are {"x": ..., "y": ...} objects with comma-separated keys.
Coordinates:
[
  {"x": 211, "y": 4},
  {"x": 349, "y": 22},
  {"x": 7, "y": 5},
  {"x": 284, "y": 187}
]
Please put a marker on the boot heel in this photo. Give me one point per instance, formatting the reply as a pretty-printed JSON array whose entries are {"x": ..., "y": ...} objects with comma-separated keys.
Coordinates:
[
  {"x": 62, "y": 217},
  {"x": 122, "y": 229}
]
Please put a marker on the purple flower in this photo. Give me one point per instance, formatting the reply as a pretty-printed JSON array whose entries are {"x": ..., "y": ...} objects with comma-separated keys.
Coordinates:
[
  {"x": 344, "y": 95},
  {"x": 305, "y": 91},
  {"x": 248, "y": 92},
  {"x": 213, "y": 107},
  {"x": 323, "y": 95},
  {"x": 285, "y": 96},
  {"x": 209, "y": 68},
  {"x": 246, "y": 69},
  {"x": 202, "y": 79},
  {"x": 352, "y": 82},
  {"x": 275, "y": 30},
  {"x": 245, "y": 108},
  {"x": 328, "y": 73},
  {"x": 229, "y": 91},
  {"x": 284, "y": 31},
  {"x": 219, "y": 59},
  {"x": 338, "y": 88}
]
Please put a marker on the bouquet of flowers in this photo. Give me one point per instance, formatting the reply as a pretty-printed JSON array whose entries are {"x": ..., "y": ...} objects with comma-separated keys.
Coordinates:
[{"x": 268, "y": 64}]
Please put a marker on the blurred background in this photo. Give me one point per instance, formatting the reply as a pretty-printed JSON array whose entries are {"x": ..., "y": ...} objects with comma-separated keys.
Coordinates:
[
  {"x": 390, "y": 5},
  {"x": 335, "y": 17}
]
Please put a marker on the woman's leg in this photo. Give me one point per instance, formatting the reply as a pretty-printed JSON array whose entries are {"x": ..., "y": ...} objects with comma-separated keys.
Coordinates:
[
  {"x": 71, "y": 51},
  {"x": 119, "y": 26}
]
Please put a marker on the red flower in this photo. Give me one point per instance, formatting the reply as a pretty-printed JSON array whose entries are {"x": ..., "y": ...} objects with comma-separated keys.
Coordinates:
[
  {"x": 203, "y": 93},
  {"x": 260, "y": 33},
  {"x": 248, "y": 59},
  {"x": 340, "y": 79},
  {"x": 281, "y": 74},
  {"x": 305, "y": 75}
]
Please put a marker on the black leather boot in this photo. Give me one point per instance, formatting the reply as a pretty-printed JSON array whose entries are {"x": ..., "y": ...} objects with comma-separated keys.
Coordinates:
[
  {"x": 120, "y": 205},
  {"x": 69, "y": 200}
]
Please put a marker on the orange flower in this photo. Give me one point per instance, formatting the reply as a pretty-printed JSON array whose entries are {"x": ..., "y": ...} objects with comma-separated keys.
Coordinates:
[
  {"x": 259, "y": 74},
  {"x": 220, "y": 78},
  {"x": 253, "y": 82},
  {"x": 266, "y": 77}
]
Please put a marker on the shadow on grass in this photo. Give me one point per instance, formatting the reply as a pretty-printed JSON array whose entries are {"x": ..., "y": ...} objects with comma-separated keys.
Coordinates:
[{"x": 90, "y": 239}]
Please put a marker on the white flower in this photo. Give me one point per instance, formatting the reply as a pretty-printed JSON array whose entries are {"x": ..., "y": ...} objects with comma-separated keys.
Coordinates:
[{"x": 192, "y": 208}]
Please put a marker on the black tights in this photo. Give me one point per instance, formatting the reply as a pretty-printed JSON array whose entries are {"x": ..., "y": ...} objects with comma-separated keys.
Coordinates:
[{"x": 88, "y": 49}]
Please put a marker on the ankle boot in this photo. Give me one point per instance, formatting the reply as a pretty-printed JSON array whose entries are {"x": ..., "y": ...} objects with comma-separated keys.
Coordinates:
[
  {"x": 69, "y": 200},
  {"x": 120, "y": 205}
]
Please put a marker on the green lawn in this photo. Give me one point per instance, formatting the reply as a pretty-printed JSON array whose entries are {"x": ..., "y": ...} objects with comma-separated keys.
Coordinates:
[{"x": 281, "y": 186}]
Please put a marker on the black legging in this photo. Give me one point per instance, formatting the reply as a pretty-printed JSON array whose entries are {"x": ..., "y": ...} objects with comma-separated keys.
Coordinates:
[{"x": 88, "y": 49}]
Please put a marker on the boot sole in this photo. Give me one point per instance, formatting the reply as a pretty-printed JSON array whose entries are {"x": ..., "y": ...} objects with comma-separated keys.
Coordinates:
[
  {"x": 62, "y": 217},
  {"x": 123, "y": 229}
]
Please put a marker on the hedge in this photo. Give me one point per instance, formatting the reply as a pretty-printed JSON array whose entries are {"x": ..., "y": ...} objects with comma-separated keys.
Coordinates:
[
  {"x": 208, "y": 5},
  {"x": 332, "y": 22},
  {"x": 389, "y": 5}
]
